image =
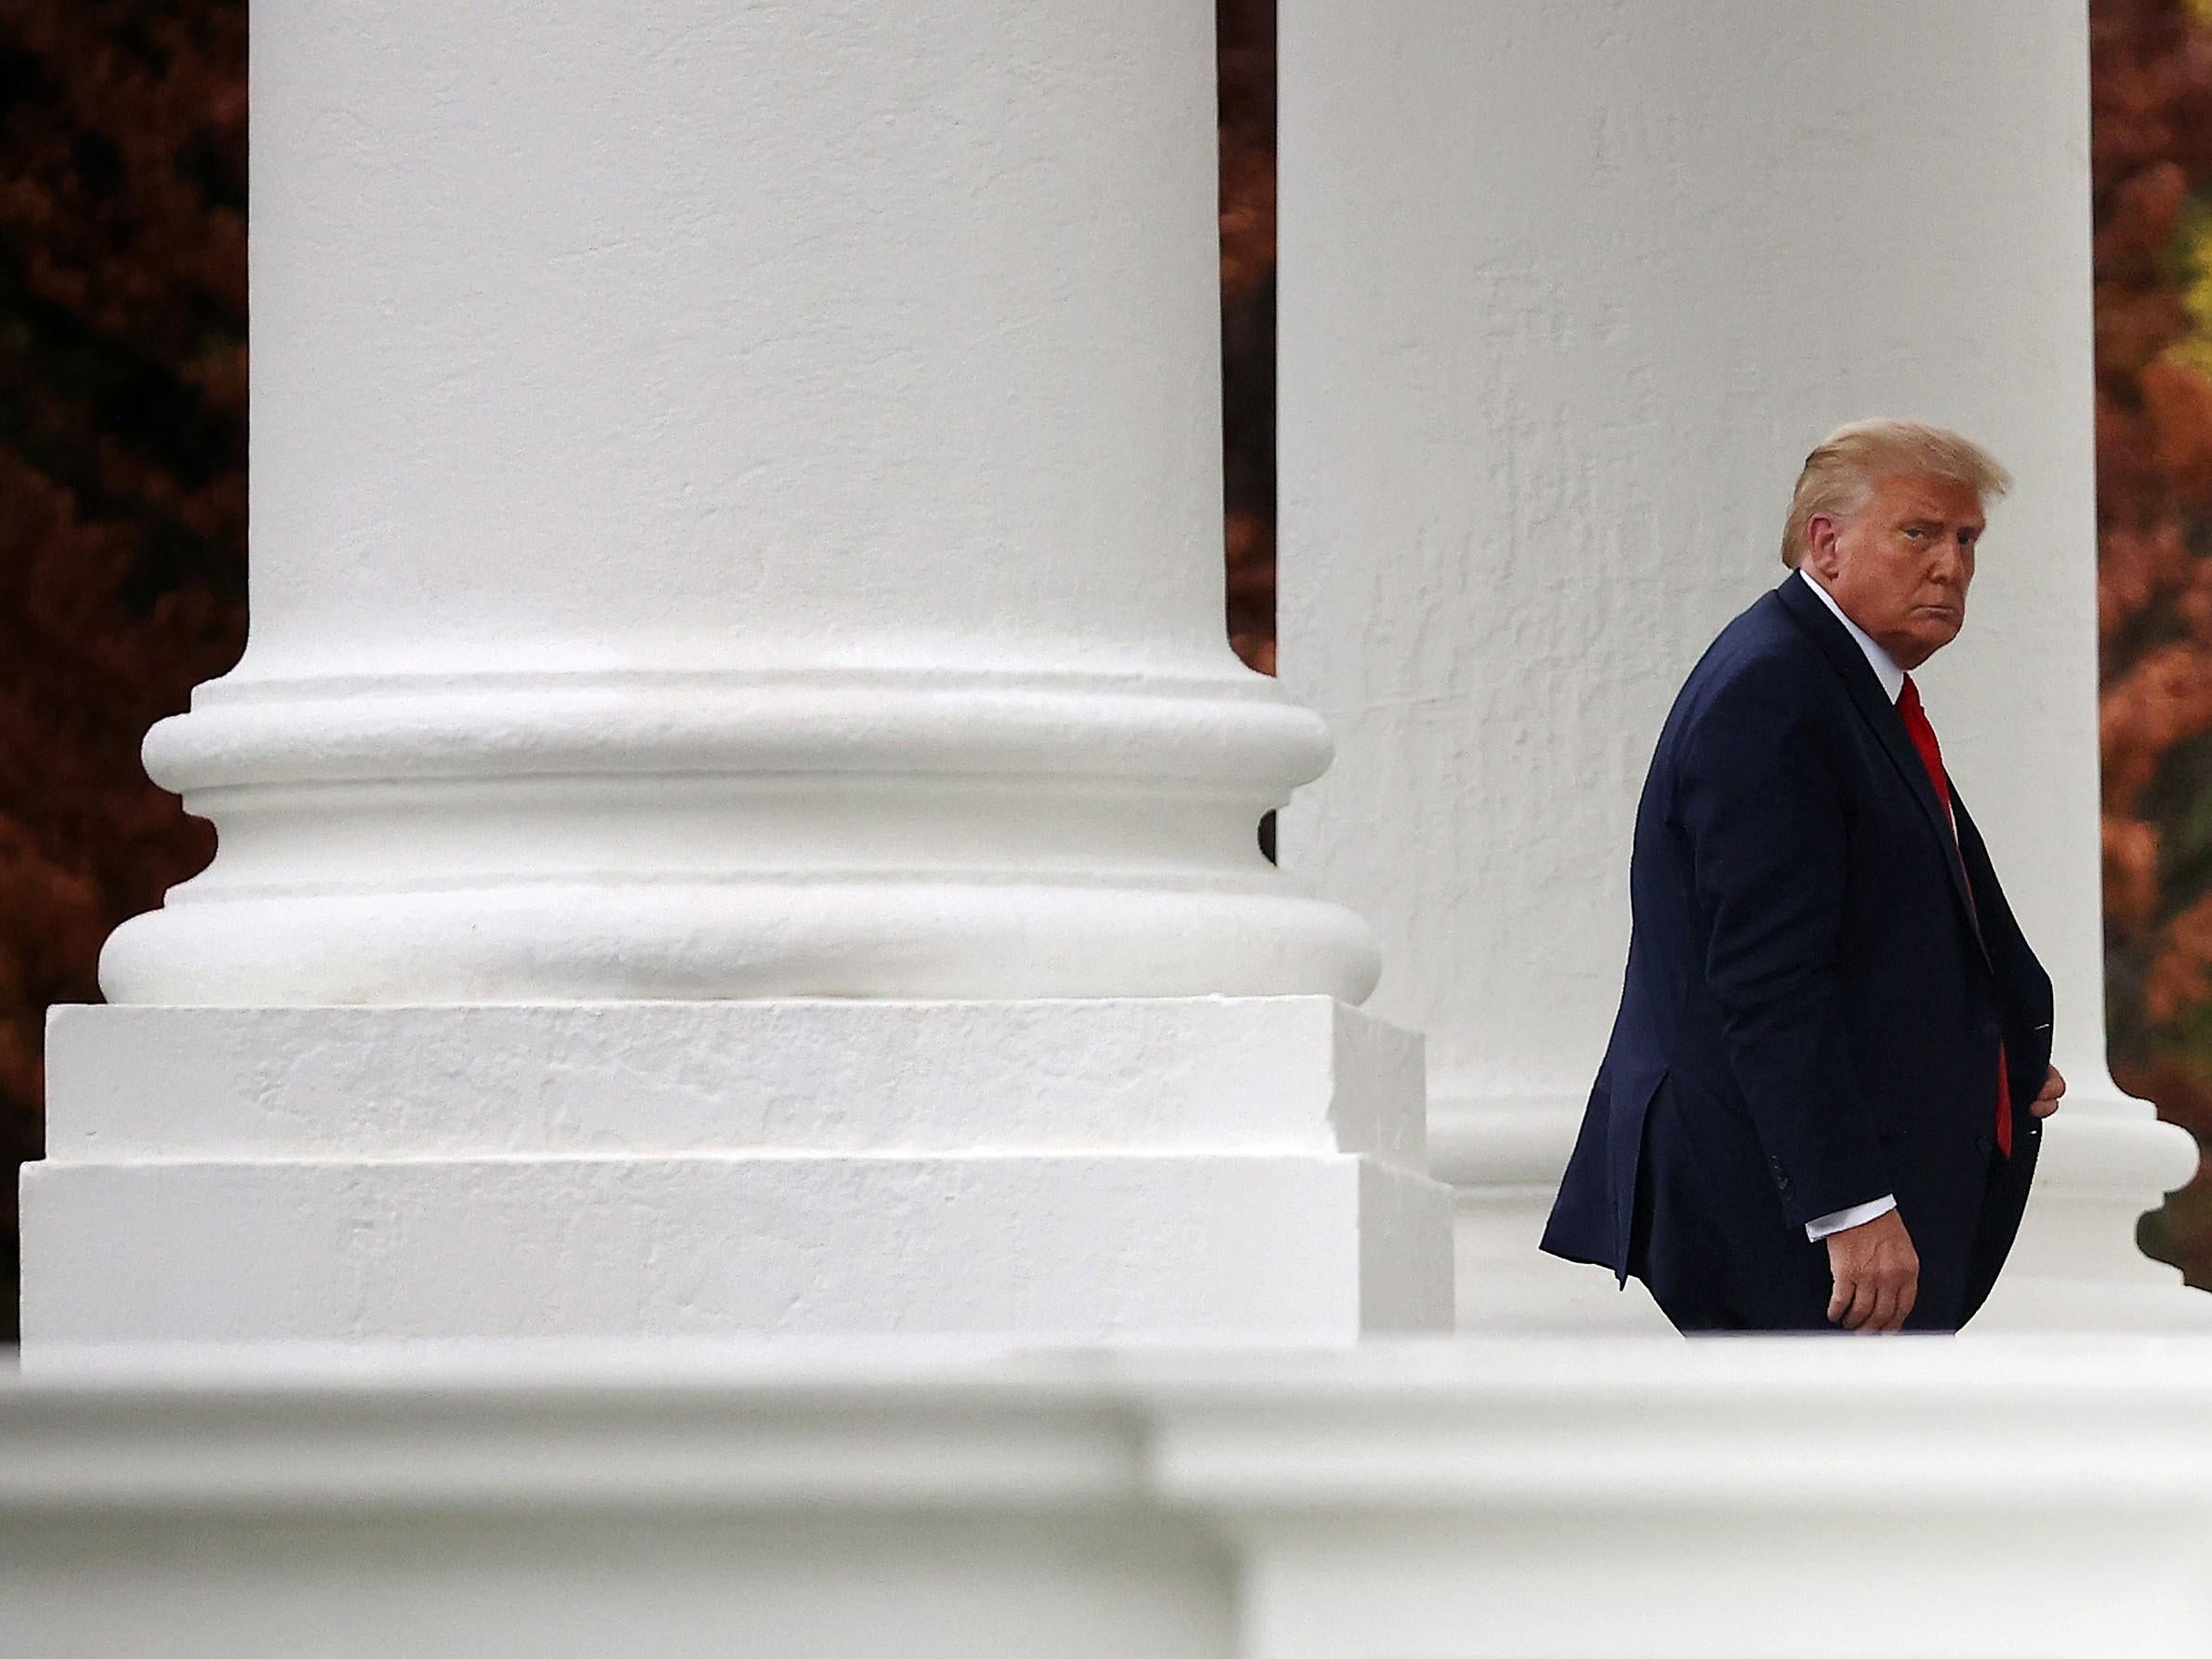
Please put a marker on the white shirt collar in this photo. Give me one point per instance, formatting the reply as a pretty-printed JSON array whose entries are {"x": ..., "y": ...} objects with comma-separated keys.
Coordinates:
[{"x": 1884, "y": 665}]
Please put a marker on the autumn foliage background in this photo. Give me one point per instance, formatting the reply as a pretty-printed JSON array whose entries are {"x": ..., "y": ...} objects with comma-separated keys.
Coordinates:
[
  {"x": 2151, "y": 123},
  {"x": 122, "y": 476},
  {"x": 122, "y": 411}
]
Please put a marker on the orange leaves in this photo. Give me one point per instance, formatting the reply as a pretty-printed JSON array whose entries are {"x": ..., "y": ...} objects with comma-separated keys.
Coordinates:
[
  {"x": 2140, "y": 218},
  {"x": 2177, "y": 397},
  {"x": 2164, "y": 699},
  {"x": 2135, "y": 567},
  {"x": 2180, "y": 977},
  {"x": 2130, "y": 870},
  {"x": 1252, "y": 589},
  {"x": 1245, "y": 30}
]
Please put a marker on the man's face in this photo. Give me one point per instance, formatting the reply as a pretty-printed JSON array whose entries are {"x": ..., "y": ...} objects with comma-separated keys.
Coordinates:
[{"x": 1900, "y": 565}]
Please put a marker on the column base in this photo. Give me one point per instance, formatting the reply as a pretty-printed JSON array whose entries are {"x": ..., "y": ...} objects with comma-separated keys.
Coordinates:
[
  {"x": 1058, "y": 1171},
  {"x": 430, "y": 835},
  {"x": 2107, "y": 1159}
]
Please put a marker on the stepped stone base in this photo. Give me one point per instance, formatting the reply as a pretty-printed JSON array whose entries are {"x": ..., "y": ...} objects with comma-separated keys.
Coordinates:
[{"x": 1058, "y": 1169}]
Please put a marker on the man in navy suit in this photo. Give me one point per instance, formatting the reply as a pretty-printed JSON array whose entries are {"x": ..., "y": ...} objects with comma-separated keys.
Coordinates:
[{"x": 1823, "y": 1098}]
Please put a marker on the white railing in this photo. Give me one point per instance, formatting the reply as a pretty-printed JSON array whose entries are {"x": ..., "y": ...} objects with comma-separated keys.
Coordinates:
[{"x": 1768, "y": 1497}]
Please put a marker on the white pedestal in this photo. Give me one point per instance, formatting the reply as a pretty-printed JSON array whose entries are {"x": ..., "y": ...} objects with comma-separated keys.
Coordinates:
[{"x": 1055, "y": 1170}]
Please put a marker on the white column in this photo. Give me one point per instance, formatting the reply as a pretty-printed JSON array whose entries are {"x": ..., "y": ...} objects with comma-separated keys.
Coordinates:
[
  {"x": 1567, "y": 292},
  {"x": 736, "y": 515}
]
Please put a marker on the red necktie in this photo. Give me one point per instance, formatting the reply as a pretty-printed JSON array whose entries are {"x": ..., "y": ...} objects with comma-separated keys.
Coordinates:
[{"x": 1931, "y": 757}]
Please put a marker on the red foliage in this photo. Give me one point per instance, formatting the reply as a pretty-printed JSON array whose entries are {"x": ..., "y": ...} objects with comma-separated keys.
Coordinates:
[
  {"x": 122, "y": 475},
  {"x": 1246, "y": 31}
]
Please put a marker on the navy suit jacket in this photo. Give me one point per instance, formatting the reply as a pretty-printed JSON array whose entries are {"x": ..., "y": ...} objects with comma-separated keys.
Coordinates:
[{"x": 1819, "y": 975}]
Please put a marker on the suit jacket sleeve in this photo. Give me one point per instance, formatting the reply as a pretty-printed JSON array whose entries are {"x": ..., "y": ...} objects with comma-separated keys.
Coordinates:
[{"x": 1761, "y": 804}]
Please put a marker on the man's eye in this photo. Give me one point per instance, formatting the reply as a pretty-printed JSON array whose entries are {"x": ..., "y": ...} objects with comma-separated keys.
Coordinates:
[{"x": 1915, "y": 532}]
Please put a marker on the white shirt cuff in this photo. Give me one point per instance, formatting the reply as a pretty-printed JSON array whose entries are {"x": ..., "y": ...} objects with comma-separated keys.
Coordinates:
[{"x": 1819, "y": 1226}]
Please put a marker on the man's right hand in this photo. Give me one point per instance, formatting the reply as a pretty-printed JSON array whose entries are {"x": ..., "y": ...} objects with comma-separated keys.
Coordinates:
[{"x": 1876, "y": 1273}]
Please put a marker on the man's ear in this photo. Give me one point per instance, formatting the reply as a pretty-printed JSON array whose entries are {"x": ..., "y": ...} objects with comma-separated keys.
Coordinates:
[{"x": 1820, "y": 555}]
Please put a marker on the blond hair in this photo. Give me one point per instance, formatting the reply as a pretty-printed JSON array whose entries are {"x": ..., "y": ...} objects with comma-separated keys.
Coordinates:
[{"x": 1851, "y": 459}]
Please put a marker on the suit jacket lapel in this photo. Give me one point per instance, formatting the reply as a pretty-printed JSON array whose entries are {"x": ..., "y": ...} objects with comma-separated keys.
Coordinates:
[{"x": 1882, "y": 718}]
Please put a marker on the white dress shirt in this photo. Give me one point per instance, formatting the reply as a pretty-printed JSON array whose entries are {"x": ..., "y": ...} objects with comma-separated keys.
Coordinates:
[{"x": 1893, "y": 684}]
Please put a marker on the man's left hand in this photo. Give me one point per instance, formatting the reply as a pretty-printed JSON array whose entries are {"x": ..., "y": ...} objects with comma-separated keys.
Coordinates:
[{"x": 2047, "y": 1100}]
